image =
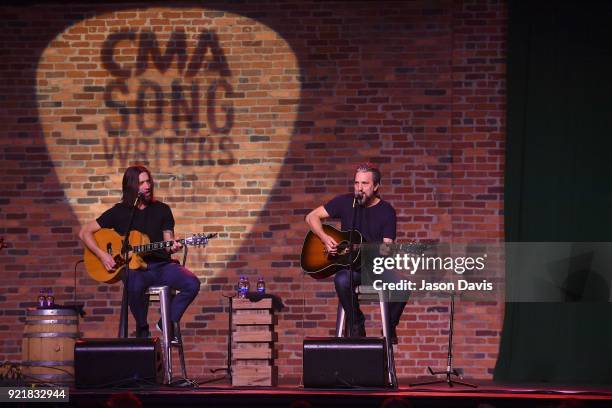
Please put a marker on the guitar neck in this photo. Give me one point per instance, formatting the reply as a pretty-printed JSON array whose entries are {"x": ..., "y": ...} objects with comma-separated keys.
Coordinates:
[
  {"x": 197, "y": 239},
  {"x": 156, "y": 245}
]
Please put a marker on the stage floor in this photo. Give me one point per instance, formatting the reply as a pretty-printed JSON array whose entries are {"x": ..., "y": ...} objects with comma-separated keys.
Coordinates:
[{"x": 486, "y": 395}]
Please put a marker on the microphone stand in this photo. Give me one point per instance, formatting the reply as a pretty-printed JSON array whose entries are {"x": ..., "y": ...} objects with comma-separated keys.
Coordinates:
[
  {"x": 450, "y": 370},
  {"x": 228, "y": 367},
  {"x": 352, "y": 267},
  {"x": 125, "y": 249}
]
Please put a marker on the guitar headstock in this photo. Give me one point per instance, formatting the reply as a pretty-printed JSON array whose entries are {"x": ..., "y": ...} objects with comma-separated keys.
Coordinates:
[{"x": 199, "y": 239}]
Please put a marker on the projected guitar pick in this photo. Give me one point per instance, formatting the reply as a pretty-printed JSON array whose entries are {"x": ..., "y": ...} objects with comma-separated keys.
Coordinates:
[{"x": 206, "y": 99}]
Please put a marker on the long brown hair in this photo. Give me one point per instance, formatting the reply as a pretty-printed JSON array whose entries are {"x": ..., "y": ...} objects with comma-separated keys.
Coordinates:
[{"x": 131, "y": 183}]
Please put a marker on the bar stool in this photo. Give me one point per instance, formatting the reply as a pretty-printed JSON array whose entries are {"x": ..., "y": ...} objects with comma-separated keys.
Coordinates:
[
  {"x": 366, "y": 292},
  {"x": 163, "y": 295}
]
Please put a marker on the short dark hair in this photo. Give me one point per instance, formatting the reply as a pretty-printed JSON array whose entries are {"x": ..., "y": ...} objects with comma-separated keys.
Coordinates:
[
  {"x": 131, "y": 183},
  {"x": 370, "y": 168}
]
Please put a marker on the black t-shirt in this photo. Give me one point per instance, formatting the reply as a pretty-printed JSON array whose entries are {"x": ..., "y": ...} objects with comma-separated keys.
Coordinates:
[
  {"x": 153, "y": 220},
  {"x": 374, "y": 223}
]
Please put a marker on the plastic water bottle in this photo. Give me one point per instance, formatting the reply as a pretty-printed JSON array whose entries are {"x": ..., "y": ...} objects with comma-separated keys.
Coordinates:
[
  {"x": 261, "y": 286},
  {"x": 241, "y": 287},
  {"x": 50, "y": 299},
  {"x": 42, "y": 298},
  {"x": 247, "y": 286}
]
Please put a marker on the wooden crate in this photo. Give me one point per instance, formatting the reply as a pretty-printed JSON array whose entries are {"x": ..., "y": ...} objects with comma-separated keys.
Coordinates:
[{"x": 253, "y": 343}]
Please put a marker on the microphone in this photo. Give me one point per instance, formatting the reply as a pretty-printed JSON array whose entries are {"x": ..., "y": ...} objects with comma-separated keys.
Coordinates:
[
  {"x": 357, "y": 199},
  {"x": 139, "y": 197}
]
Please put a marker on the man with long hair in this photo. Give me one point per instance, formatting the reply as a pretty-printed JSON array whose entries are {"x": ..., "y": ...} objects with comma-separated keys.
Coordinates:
[
  {"x": 154, "y": 219},
  {"x": 377, "y": 222}
]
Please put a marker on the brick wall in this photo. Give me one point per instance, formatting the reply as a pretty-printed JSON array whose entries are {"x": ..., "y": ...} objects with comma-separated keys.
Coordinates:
[{"x": 249, "y": 115}]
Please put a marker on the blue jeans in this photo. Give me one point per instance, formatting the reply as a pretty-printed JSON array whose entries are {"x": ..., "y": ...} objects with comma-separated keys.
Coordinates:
[
  {"x": 343, "y": 290},
  {"x": 161, "y": 274}
]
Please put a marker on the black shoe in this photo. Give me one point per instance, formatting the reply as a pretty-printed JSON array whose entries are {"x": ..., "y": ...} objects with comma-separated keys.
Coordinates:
[
  {"x": 358, "y": 330},
  {"x": 176, "y": 331},
  {"x": 393, "y": 335},
  {"x": 173, "y": 330},
  {"x": 143, "y": 332}
]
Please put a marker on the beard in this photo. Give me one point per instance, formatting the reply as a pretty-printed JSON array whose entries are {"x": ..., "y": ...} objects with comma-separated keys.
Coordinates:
[
  {"x": 146, "y": 198},
  {"x": 361, "y": 199}
]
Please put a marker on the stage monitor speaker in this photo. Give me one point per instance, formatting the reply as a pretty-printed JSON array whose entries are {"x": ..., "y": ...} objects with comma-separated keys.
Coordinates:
[
  {"x": 106, "y": 363},
  {"x": 344, "y": 362}
]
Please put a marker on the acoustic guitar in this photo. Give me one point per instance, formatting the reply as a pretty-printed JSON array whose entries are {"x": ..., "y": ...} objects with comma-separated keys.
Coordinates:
[
  {"x": 318, "y": 263},
  {"x": 110, "y": 241}
]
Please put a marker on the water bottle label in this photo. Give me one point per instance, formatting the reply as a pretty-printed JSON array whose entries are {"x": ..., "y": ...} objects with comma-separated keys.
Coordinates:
[
  {"x": 242, "y": 288},
  {"x": 50, "y": 301},
  {"x": 261, "y": 286}
]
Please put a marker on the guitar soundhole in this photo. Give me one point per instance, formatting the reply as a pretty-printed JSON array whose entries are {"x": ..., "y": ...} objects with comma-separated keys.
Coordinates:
[
  {"x": 342, "y": 250},
  {"x": 118, "y": 262}
]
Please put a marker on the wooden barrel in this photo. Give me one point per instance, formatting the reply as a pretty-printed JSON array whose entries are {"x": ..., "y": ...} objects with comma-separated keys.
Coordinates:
[{"x": 48, "y": 344}]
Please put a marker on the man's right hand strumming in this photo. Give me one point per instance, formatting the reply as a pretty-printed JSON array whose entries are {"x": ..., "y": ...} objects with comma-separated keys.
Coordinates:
[
  {"x": 107, "y": 260},
  {"x": 313, "y": 219},
  {"x": 87, "y": 236},
  {"x": 331, "y": 246}
]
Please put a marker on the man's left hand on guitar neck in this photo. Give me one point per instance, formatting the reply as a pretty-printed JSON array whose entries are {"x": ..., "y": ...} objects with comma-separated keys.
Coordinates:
[{"x": 176, "y": 246}]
